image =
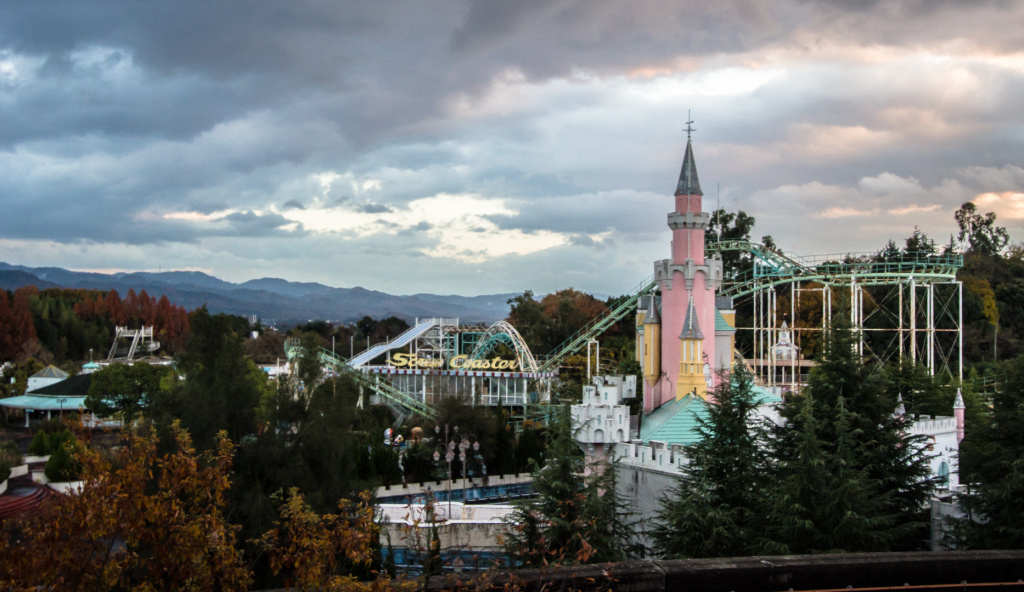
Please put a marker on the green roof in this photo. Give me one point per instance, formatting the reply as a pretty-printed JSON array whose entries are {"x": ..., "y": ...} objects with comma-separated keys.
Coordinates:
[
  {"x": 721, "y": 324},
  {"x": 676, "y": 421},
  {"x": 43, "y": 403}
]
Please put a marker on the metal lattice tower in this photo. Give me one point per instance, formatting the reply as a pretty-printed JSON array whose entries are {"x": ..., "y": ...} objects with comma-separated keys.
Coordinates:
[{"x": 903, "y": 306}]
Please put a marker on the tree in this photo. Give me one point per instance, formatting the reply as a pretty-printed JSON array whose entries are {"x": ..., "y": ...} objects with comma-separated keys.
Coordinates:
[
  {"x": 141, "y": 521},
  {"x": 220, "y": 389},
  {"x": 319, "y": 551},
  {"x": 726, "y": 226},
  {"x": 574, "y": 518},
  {"x": 716, "y": 508},
  {"x": 980, "y": 232},
  {"x": 996, "y": 460},
  {"x": 120, "y": 388},
  {"x": 826, "y": 501},
  {"x": 844, "y": 423},
  {"x": 304, "y": 442}
]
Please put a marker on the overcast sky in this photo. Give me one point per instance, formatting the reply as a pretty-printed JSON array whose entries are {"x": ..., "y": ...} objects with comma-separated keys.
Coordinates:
[{"x": 492, "y": 146}]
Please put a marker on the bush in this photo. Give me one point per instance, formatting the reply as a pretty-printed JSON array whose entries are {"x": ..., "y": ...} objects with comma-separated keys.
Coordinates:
[
  {"x": 56, "y": 441},
  {"x": 38, "y": 447},
  {"x": 62, "y": 466},
  {"x": 9, "y": 457}
]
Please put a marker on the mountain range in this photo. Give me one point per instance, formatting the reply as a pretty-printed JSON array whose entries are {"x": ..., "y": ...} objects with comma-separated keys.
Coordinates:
[{"x": 272, "y": 299}]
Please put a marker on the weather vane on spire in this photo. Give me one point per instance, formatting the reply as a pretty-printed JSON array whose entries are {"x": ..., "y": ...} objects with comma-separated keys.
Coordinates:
[{"x": 689, "y": 126}]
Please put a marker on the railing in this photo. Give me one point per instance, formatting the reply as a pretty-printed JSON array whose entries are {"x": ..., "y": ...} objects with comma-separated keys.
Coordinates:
[{"x": 771, "y": 267}]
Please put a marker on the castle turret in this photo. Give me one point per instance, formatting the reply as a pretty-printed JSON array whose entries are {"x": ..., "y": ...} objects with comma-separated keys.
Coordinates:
[
  {"x": 652, "y": 343},
  {"x": 691, "y": 358},
  {"x": 687, "y": 282},
  {"x": 900, "y": 409},
  {"x": 958, "y": 413}
]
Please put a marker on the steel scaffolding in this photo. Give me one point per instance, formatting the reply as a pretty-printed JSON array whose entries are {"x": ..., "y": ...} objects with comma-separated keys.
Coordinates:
[{"x": 907, "y": 306}]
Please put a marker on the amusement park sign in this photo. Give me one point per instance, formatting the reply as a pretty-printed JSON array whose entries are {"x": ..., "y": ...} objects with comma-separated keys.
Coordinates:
[{"x": 462, "y": 362}]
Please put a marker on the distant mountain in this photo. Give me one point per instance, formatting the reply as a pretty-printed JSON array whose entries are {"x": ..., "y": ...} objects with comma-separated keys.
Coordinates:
[{"x": 269, "y": 298}]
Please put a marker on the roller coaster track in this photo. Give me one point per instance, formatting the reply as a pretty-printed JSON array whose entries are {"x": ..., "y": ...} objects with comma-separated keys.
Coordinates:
[
  {"x": 388, "y": 393},
  {"x": 774, "y": 268},
  {"x": 595, "y": 327}
]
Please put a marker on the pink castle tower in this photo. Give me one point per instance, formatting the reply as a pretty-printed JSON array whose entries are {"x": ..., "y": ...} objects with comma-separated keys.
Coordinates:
[{"x": 686, "y": 277}]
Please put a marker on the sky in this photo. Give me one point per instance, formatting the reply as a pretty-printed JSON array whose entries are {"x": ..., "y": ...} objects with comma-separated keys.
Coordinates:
[{"x": 489, "y": 147}]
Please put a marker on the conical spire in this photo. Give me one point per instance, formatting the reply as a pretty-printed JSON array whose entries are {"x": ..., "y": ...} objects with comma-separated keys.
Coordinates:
[
  {"x": 652, "y": 317},
  {"x": 959, "y": 403},
  {"x": 689, "y": 184},
  {"x": 900, "y": 409},
  {"x": 691, "y": 329}
]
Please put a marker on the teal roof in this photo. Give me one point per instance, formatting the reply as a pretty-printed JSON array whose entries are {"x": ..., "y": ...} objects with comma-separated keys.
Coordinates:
[
  {"x": 721, "y": 325},
  {"x": 43, "y": 403},
  {"x": 676, "y": 422},
  {"x": 765, "y": 396}
]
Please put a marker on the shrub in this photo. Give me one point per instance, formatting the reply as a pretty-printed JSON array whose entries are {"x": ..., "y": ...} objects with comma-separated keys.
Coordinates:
[
  {"x": 56, "y": 441},
  {"x": 9, "y": 457},
  {"x": 62, "y": 466},
  {"x": 38, "y": 447}
]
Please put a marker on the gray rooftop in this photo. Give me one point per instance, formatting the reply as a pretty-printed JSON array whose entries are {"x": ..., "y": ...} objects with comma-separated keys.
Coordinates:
[
  {"x": 691, "y": 328},
  {"x": 689, "y": 184}
]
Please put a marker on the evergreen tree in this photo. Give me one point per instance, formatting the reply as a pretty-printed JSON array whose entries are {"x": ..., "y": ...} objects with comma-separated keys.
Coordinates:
[
  {"x": 221, "y": 387},
  {"x": 848, "y": 403},
  {"x": 716, "y": 507},
  {"x": 574, "y": 518},
  {"x": 995, "y": 516},
  {"x": 826, "y": 501}
]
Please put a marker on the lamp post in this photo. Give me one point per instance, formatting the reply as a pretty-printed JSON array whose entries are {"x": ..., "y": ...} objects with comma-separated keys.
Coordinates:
[
  {"x": 464, "y": 445},
  {"x": 449, "y": 456}
]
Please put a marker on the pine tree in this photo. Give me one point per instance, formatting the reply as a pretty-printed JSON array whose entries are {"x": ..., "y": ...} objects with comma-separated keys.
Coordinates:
[
  {"x": 826, "y": 501},
  {"x": 574, "y": 518},
  {"x": 716, "y": 507},
  {"x": 851, "y": 405},
  {"x": 995, "y": 516}
]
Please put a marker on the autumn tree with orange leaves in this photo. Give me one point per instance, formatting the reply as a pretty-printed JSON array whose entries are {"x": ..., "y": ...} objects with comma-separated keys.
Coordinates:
[{"x": 142, "y": 521}]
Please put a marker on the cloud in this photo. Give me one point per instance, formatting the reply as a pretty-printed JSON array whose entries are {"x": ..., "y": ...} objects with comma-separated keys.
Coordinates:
[
  {"x": 467, "y": 145},
  {"x": 373, "y": 208}
]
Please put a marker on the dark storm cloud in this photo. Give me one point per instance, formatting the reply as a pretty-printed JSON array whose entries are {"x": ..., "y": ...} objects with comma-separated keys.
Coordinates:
[{"x": 142, "y": 123}]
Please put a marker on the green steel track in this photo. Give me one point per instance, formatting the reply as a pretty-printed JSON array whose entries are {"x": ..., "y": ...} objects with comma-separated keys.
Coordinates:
[
  {"x": 383, "y": 388},
  {"x": 772, "y": 268},
  {"x": 596, "y": 327}
]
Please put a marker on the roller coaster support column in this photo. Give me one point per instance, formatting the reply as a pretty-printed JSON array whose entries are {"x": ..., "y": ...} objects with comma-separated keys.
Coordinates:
[
  {"x": 597, "y": 363},
  {"x": 931, "y": 329},
  {"x": 900, "y": 327},
  {"x": 794, "y": 291},
  {"x": 913, "y": 322},
  {"x": 960, "y": 327}
]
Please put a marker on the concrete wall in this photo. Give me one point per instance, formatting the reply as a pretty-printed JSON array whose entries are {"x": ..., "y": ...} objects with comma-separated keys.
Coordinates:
[
  {"x": 469, "y": 531},
  {"x": 941, "y": 446}
]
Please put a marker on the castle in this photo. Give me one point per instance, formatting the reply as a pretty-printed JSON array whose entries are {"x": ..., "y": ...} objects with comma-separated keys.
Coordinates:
[{"x": 685, "y": 336}]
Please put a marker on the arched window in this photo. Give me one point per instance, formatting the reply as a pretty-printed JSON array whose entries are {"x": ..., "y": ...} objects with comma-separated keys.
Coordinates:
[{"x": 943, "y": 478}]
